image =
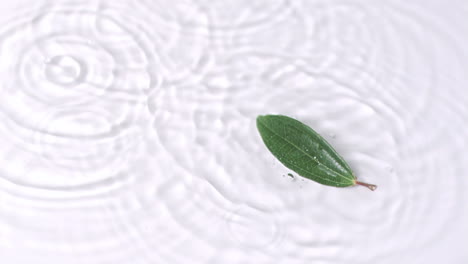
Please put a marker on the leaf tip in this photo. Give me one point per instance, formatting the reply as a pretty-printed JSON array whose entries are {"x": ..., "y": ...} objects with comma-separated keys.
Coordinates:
[{"x": 260, "y": 117}]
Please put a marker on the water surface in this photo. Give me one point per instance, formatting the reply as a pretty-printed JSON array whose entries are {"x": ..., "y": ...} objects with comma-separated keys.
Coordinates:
[{"x": 128, "y": 131}]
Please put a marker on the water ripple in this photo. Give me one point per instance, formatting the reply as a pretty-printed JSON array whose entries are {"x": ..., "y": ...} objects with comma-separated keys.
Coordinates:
[
  {"x": 128, "y": 129},
  {"x": 253, "y": 80},
  {"x": 223, "y": 16}
]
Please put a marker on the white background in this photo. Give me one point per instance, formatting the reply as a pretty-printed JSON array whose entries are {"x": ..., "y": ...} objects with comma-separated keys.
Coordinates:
[{"x": 127, "y": 131}]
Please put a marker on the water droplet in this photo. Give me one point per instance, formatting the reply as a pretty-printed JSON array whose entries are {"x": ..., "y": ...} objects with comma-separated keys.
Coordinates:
[{"x": 63, "y": 70}]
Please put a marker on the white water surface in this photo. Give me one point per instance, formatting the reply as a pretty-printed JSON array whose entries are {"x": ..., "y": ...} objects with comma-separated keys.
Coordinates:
[{"x": 127, "y": 131}]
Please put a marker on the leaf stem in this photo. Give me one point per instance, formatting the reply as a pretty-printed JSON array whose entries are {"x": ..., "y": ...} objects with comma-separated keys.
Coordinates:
[{"x": 371, "y": 187}]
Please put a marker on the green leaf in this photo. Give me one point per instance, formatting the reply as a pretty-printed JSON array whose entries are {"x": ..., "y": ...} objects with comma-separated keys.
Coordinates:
[{"x": 304, "y": 151}]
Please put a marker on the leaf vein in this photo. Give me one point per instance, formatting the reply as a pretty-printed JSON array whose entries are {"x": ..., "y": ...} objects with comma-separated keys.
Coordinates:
[{"x": 307, "y": 154}]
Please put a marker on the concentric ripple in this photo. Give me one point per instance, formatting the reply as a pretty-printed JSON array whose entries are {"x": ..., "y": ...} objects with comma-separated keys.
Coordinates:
[
  {"x": 48, "y": 56},
  {"x": 128, "y": 131},
  {"x": 64, "y": 70},
  {"x": 76, "y": 80}
]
